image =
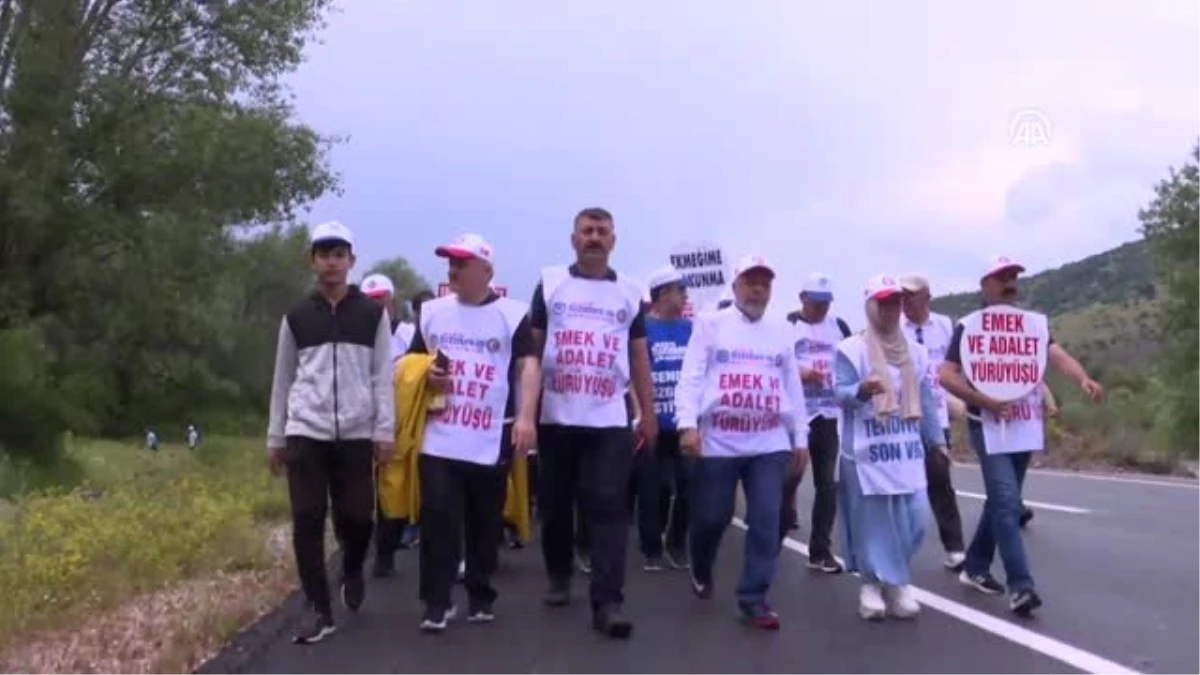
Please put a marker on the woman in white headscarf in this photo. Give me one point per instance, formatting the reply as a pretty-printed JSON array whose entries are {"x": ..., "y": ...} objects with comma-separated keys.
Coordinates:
[{"x": 888, "y": 419}]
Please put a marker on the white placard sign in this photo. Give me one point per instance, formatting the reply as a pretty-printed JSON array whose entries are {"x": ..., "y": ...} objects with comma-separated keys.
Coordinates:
[
  {"x": 705, "y": 268},
  {"x": 1004, "y": 351}
]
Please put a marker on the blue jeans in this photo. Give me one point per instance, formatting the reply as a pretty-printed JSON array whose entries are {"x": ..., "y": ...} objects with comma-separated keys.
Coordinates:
[
  {"x": 1000, "y": 524},
  {"x": 713, "y": 494}
]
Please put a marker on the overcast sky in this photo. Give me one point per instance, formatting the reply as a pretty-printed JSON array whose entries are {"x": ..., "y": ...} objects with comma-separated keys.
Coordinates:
[{"x": 851, "y": 138}]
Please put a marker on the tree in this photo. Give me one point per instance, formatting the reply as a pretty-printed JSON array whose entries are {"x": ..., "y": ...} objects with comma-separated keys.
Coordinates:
[
  {"x": 141, "y": 143},
  {"x": 1170, "y": 224},
  {"x": 408, "y": 282}
]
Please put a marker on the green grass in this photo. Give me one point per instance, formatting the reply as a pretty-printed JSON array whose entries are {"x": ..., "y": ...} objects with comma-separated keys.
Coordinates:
[{"x": 135, "y": 521}]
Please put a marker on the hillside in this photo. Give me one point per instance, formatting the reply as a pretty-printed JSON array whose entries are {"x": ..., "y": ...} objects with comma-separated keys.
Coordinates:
[{"x": 1102, "y": 307}]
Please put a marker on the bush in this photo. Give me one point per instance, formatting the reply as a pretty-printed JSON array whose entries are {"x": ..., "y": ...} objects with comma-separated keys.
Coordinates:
[
  {"x": 31, "y": 422},
  {"x": 140, "y": 521}
]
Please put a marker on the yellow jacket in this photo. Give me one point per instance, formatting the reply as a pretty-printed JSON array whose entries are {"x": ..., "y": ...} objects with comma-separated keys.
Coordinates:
[{"x": 398, "y": 482}]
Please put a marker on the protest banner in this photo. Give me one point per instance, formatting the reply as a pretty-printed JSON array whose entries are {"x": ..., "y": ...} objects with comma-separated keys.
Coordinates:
[
  {"x": 1004, "y": 352},
  {"x": 705, "y": 269}
]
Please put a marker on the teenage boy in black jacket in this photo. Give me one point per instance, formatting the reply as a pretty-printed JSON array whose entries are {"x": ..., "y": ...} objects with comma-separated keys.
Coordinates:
[{"x": 332, "y": 417}]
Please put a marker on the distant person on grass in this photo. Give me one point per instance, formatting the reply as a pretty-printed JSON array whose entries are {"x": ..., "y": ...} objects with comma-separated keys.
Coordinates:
[
  {"x": 332, "y": 417},
  {"x": 1004, "y": 470}
]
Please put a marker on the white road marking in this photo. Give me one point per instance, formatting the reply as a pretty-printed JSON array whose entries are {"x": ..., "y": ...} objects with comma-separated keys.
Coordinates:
[
  {"x": 1027, "y": 502},
  {"x": 1181, "y": 483},
  {"x": 1072, "y": 656}
]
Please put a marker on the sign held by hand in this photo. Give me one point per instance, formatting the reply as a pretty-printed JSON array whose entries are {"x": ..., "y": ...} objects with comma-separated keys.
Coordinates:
[{"x": 1004, "y": 351}]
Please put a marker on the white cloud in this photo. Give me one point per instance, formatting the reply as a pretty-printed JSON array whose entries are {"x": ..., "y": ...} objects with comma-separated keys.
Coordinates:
[{"x": 855, "y": 138}]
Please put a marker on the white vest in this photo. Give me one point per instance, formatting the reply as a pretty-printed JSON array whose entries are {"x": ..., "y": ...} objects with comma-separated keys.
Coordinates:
[
  {"x": 745, "y": 406},
  {"x": 478, "y": 339},
  {"x": 937, "y": 332},
  {"x": 816, "y": 345},
  {"x": 889, "y": 453},
  {"x": 585, "y": 365},
  {"x": 1024, "y": 431}
]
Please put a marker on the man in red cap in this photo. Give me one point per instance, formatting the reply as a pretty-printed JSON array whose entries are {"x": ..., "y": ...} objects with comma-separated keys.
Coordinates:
[
  {"x": 485, "y": 355},
  {"x": 1004, "y": 471}
]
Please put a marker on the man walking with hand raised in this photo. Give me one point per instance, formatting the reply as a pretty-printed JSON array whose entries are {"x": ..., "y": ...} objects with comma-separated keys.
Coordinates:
[
  {"x": 741, "y": 412},
  {"x": 591, "y": 334}
]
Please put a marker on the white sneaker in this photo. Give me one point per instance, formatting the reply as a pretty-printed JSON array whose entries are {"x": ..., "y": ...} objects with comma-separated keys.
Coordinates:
[
  {"x": 870, "y": 602},
  {"x": 955, "y": 560},
  {"x": 462, "y": 570},
  {"x": 901, "y": 601}
]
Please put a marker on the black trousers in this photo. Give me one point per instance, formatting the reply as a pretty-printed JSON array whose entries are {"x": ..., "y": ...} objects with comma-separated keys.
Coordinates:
[
  {"x": 592, "y": 466},
  {"x": 462, "y": 506},
  {"x": 659, "y": 473},
  {"x": 823, "y": 457},
  {"x": 320, "y": 472},
  {"x": 942, "y": 500}
]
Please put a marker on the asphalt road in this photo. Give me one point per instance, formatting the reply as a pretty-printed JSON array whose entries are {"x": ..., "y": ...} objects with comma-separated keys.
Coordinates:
[{"x": 1118, "y": 574}]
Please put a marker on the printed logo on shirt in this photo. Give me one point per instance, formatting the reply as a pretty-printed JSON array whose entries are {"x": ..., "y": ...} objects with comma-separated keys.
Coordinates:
[
  {"x": 589, "y": 310},
  {"x": 460, "y": 341},
  {"x": 667, "y": 351},
  {"x": 493, "y": 345},
  {"x": 746, "y": 356},
  {"x": 802, "y": 347}
]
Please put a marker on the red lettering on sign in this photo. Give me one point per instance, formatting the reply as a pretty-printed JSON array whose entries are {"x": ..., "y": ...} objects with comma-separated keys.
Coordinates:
[
  {"x": 485, "y": 372},
  {"x": 776, "y": 384},
  {"x": 574, "y": 338},
  {"x": 745, "y": 423},
  {"x": 750, "y": 401},
  {"x": 974, "y": 344},
  {"x": 1003, "y": 322},
  {"x": 612, "y": 342},
  {"x": 585, "y": 357},
  {"x": 1004, "y": 371},
  {"x": 598, "y": 386},
  {"x": 740, "y": 381},
  {"x": 469, "y": 416},
  {"x": 465, "y": 388},
  {"x": 1012, "y": 345}
]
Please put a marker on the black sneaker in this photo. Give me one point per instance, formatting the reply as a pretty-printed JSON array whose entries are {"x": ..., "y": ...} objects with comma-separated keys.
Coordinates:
[
  {"x": 435, "y": 620},
  {"x": 678, "y": 558},
  {"x": 654, "y": 563},
  {"x": 1026, "y": 515},
  {"x": 984, "y": 583},
  {"x": 1022, "y": 603},
  {"x": 559, "y": 594},
  {"x": 511, "y": 539},
  {"x": 321, "y": 628},
  {"x": 411, "y": 537},
  {"x": 385, "y": 566},
  {"x": 825, "y": 563},
  {"x": 353, "y": 592},
  {"x": 701, "y": 589},
  {"x": 612, "y": 622},
  {"x": 480, "y": 612},
  {"x": 758, "y": 615}
]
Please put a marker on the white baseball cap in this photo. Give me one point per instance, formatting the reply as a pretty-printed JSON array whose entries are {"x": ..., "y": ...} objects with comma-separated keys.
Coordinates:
[
  {"x": 330, "y": 232},
  {"x": 882, "y": 286},
  {"x": 818, "y": 288},
  {"x": 914, "y": 283},
  {"x": 752, "y": 262},
  {"x": 465, "y": 247},
  {"x": 377, "y": 285},
  {"x": 1001, "y": 263},
  {"x": 664, "y": 276}
]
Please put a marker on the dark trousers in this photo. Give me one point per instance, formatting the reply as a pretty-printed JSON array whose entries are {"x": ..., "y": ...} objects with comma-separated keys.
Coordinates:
[
  {"x": 320, "y": 472},
  {"x": 715, "y": 481},
  {"x": 942, "y": 499},
  {"x": 823, "y": 456},
  {"x": 591, "y": 466},
  {"x": 462, "y": 506},
  {"x": 660, "y": 473}
]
